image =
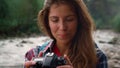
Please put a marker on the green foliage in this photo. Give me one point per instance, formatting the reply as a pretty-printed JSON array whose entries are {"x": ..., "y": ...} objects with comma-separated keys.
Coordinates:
[
  {"x": 99, "y": 24},
  {"x": 103, "y": 11},
  {"x": 19, "y": 16},
  {"x": 3, "y": 9},
  {"x": 40, "y": 3},
  {"x": 116, "y": 22}
]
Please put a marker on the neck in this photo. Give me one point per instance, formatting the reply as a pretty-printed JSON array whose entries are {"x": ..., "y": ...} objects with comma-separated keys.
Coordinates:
[{"x": 63, "y": 47}]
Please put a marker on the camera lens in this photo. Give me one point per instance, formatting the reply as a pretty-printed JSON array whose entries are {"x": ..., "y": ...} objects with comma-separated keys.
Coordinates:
[
  {"x": 61, "y": 61},
  {"x": 39, "y": 64}
]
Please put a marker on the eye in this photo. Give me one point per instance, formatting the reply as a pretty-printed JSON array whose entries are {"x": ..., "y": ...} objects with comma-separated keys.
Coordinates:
[
  {"x": 54, "y": 19},
  {"x": 69, "y": 19}
]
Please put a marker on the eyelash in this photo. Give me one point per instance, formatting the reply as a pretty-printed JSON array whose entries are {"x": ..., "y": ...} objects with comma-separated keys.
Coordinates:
[
  {"x": 70, "y": 19},
  {"x": 67, "y": 20},
  {"x": 54, "y": 20}
]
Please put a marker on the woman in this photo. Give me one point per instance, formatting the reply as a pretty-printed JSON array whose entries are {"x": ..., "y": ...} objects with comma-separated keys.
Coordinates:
[{"x": 70, "y": 26}]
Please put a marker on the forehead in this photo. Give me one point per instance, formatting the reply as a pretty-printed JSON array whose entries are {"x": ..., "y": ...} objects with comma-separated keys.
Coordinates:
[
  {"x": 61, "y": 6},
  {"x": 61, "y": 10}
]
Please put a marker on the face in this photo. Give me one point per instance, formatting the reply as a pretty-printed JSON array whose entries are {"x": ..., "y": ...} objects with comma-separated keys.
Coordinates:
[{"x": 62, "y": 22}]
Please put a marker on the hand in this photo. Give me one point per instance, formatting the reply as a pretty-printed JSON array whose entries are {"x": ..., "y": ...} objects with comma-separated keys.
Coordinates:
[
  {"x": 68, "y": 64},
  {"x": 28, "y": 64}
]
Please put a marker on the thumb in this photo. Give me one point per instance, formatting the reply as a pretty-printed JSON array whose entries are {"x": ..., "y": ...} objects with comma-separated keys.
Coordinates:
[
  {"x": 27, "y": 64},
  {"x": 68, "y": 60},
  {"x": 40, "y": 54}
]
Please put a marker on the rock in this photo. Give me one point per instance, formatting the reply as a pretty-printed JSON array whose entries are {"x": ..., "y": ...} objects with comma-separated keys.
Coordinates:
[
  {"x": 2, "y": 44},
  {"x": 102, "y": 41},
  {"x": 113, "y": 41},
  {"x": 16, "y": 48},
  {"x": 19, "y": 45},
  {"x": 24, "y": 41},
  {"x": 11, "y": 41},
  {"x": 113, "y": 63},
  {"x": 117, "y": 66},
  {"x": 113, "y": 54},
  {"x": 116, "y": 56}
]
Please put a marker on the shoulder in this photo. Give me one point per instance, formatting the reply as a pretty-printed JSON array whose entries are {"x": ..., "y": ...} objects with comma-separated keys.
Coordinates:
[
  {"x": 33, "y": 52},
  {"x": 102, "y": 59}
]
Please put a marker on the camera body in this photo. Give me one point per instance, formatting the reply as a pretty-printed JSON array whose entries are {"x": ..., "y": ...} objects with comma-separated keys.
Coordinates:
[{"x": 50, "y": 60}]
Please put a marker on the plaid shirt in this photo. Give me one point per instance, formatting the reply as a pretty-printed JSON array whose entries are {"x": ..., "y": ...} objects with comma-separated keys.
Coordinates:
[
  {"x": 47, "y": 47},
  {"x": 102, "y": 59}
]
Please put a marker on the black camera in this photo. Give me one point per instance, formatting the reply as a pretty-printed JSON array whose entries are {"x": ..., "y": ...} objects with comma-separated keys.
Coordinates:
[{"x": 50, "y": 60}]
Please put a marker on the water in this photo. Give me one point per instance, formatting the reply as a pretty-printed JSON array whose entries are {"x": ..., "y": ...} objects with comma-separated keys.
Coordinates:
[{"x": 19, "y": 66}]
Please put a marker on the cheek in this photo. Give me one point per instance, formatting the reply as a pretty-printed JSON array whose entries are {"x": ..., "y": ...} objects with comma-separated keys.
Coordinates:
[
  {"x": 74, "y": 28},
  {"x": 74, "y": 25},
  {"x": 53, "y": 28}
]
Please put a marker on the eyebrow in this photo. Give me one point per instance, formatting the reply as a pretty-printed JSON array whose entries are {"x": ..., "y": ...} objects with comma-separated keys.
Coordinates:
[
  {"x": 70, "y": 15},
  {"x": 53, "y": 17},
  {"x": 57, "y": 16}
]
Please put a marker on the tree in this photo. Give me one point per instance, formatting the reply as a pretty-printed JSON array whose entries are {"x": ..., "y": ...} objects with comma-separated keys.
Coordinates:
[
  {"x": 3, "y": 9},
  {"x": 103, "y": 11},
  {"x": 3, "y": 15}
]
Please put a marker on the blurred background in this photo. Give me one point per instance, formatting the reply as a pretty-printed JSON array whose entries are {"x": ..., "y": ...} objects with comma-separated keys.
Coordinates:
[
  {"x": 19, "y": 17},
  {"x": 18, "y": 29}
]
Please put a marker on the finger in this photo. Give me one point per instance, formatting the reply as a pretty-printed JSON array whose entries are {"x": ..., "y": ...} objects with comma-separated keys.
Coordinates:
[
  {"x": 40, "y": 54},
  {"x": 64, "y": 66},
  {"x": 29, "y": 63},
  {"x": 68, "y": 60}
]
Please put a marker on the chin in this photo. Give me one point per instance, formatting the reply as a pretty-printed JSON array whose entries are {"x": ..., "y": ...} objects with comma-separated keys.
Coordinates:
[{"x": 64, "y": 40}]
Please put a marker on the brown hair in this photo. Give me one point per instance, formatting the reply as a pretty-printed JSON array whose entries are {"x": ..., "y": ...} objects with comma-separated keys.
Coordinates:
[{"x": 82, "y": 52}]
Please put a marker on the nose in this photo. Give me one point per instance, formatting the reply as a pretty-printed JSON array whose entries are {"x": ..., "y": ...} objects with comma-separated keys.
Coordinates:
[{"x": 63, "y": 26}]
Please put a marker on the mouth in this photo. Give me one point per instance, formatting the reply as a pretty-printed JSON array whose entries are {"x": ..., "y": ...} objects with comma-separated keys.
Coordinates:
[{"x": 62, "y": 35}]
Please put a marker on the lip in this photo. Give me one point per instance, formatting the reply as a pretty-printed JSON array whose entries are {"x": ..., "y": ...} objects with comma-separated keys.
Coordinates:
[{"x": 62, "y": 35}]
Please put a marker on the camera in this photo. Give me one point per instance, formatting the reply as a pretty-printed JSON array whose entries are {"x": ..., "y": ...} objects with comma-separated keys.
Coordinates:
[{"x": 50, "y": 60}]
